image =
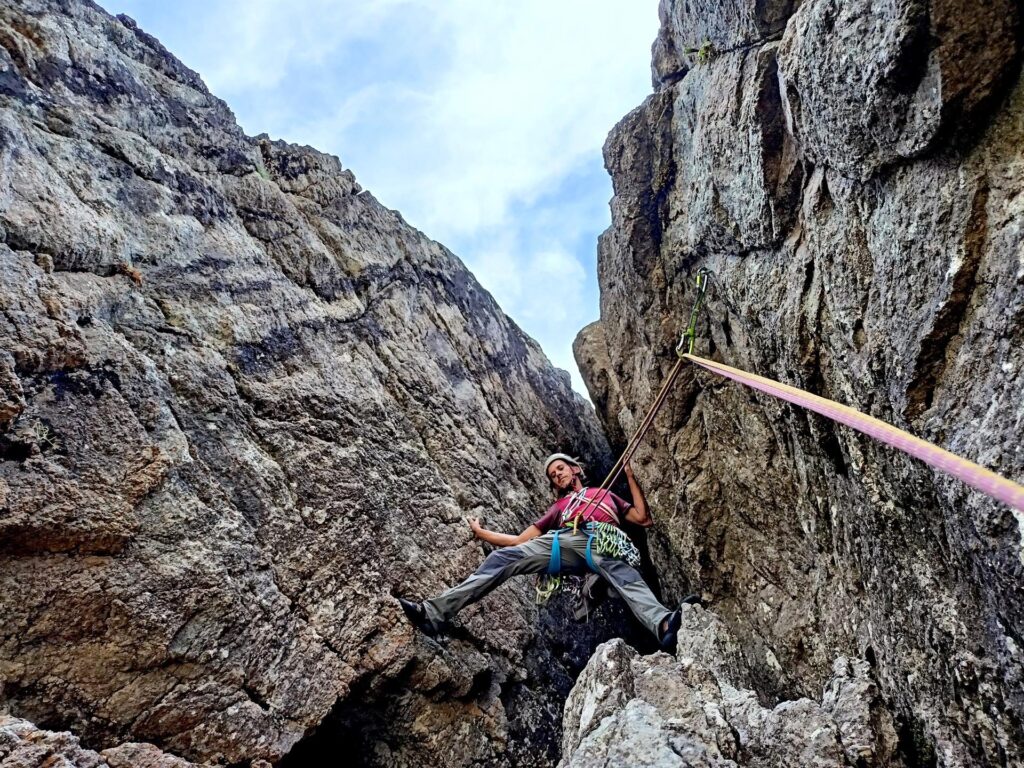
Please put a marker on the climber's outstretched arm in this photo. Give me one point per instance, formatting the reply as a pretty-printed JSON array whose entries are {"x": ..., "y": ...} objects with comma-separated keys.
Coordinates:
[
  {"x": 638, "y": 513},
  {"x": 502, "y": 539}
]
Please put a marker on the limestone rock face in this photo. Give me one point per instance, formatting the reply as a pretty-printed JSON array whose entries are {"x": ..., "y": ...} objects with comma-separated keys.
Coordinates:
[
  {"x": 22, "y": 745},
  {"x": 869, "y": 83},
  {"x": 242, "y": 406},
  {"x": 693, "y": 29},
  {"x": 628, "y": 709},
  {"x": 853, "y": 180}
]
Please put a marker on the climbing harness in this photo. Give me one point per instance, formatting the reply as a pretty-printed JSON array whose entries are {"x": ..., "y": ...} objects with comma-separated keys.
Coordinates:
[
  {"x": 611, "y": 542},
  {"x": 604, "y": 539},
  {"x": 548, "y": 584},
  {"x": 555, "y": 563}
]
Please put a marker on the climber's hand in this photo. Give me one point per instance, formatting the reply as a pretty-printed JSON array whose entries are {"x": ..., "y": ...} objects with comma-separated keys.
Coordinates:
[
  {"x": 474, "y": 524},
  {"x": 628, "y": 469}
]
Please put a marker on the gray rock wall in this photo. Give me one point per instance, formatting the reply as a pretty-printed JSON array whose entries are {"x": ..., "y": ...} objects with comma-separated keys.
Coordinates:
[
  {"x": 661, "y": 712},
  {"x": 242, "y": 405},
  {"x": 22, "y": 745},
  {"x": 851, "y": 172}
]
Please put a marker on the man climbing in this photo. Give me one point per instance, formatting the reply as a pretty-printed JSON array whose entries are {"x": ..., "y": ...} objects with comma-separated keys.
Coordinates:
[{"x": 562, "y": 541}]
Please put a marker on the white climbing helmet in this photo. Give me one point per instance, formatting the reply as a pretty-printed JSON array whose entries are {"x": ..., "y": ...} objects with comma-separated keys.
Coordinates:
[{"x": 560, "y": 456}]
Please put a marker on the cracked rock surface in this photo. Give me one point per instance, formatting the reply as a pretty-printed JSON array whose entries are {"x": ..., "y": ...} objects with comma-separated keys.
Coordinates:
[
  {"x": 851, "y": 172},
  {"x": 22, "y": 745},
  {"x": 659, "y": 711},
  {"x": 242, "y": 406}
]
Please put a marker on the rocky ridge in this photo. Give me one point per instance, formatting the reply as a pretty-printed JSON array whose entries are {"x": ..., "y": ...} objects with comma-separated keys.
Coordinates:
[
  {"x": 851, "y": 174},
  {"x": 661, "y": 712},
  {"x": 22, "y": 745},
  {"x": 242, "y": 405}
]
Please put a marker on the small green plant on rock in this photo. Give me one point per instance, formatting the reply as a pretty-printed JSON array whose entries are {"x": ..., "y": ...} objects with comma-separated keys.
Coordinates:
[{"x": 705, "y": 52}]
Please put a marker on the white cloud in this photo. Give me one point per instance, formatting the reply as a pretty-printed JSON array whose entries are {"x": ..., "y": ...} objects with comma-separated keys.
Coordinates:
[
  {"x": 544, "y": 290},
  {"x": 258, "y": 44},
  {"x": 526, "y": 95},
  {"x": 546, "y": 285}
]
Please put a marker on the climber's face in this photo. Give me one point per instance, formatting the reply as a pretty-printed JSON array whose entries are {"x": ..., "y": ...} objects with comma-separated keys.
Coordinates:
[{"x": 561, "y": 474}]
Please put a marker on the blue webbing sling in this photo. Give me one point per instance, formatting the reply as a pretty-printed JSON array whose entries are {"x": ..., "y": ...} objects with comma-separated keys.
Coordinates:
[{"x": 555, "y": 563}]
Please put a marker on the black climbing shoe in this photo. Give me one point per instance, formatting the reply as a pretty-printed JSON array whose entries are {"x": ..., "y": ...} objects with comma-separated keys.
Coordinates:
[
  {"x": 667, "y": 637},
  {"x": 668, "y": 634},
  {"x": 417, "y": 616}
]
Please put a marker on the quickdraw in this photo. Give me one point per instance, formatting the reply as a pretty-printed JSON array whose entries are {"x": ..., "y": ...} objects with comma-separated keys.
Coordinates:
[
  {"x": 686, "y": 341},
  {"x": 546, "y": 587}
]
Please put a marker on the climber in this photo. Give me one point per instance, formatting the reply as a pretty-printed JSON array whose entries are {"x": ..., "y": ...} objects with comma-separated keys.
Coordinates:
[{"x": 561, "y": 541}]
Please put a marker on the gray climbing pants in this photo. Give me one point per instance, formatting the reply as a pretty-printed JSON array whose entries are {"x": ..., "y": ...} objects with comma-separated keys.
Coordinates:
[{"x": 534, "y": 556}]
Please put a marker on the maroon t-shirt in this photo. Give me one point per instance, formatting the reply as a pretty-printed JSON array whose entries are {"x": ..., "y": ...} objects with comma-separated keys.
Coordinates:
[{"x": 592, "y": 503}]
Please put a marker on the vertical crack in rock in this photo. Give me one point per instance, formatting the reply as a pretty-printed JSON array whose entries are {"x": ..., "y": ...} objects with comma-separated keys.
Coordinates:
[{"x": 952, "y": 313}]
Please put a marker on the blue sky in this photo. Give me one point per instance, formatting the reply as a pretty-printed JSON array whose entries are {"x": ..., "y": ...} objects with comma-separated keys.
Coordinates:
[{"x": 482, "y": 122}]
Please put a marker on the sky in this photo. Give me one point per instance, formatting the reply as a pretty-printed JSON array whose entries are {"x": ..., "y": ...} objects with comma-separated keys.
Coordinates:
[{"x": 481, "y": 121}]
